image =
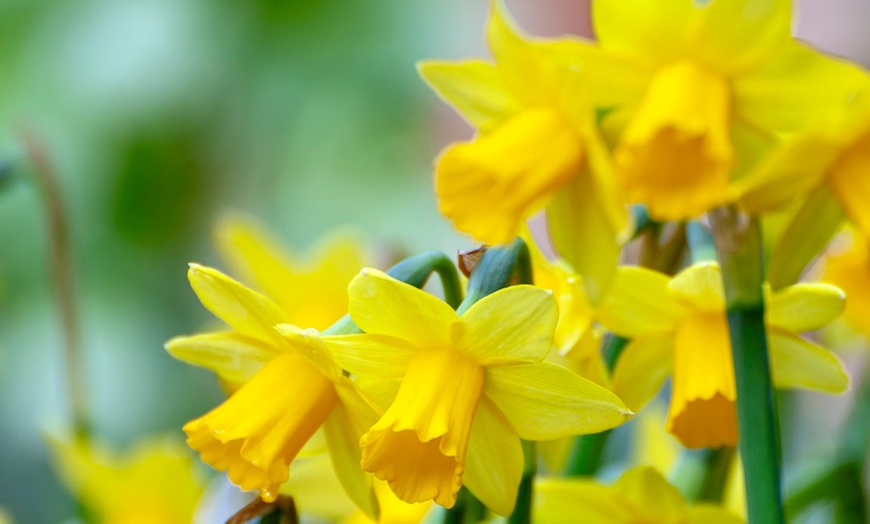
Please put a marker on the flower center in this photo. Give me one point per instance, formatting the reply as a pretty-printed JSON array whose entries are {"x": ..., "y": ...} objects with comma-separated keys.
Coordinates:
[
  {"x": 418, "y": 446},
  {"x": 676, "y": 154},
  {"x": 702, "y": 412}
]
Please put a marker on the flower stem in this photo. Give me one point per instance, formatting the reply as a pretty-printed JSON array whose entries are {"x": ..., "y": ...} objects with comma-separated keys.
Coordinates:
[
  {"x": 738, "y": 242},
  {"x": 64, "y": 282},
  {"x": 523, "y": 510}
]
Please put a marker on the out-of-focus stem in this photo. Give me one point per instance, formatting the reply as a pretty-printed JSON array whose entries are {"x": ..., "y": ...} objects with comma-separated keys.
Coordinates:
[
  {"x": 738, "y": 242},
  {"x": 62, "y": 277},
  {"x": 523, "y": 510}
]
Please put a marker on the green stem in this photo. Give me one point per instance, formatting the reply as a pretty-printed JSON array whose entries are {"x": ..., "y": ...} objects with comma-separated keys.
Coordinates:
[
  {"x": 738, "y": 241},
  {"x": 702, "y": 474},
  {"x": 497, "y": 268},
  {"x": 523, "y": 510},
  {"x": 415, "y": 270},
  {"x": 64, "y": 282}
]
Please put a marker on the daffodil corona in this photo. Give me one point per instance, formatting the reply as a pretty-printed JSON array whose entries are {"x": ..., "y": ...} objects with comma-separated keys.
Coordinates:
[{"x": 467, "y": 388}]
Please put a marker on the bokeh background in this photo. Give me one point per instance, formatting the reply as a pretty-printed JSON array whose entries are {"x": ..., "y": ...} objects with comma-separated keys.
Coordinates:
[{"x": 159, "y": 115}]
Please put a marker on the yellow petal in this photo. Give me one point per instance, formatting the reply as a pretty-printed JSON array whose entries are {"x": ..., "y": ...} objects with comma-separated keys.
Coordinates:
[
  {"x": 544, "y": 401},
  {"x": 316, "y": 491},
  {"x": 783, "y": 95},
  {"x": 642, "y": 368},
  {"x": 256, "y": 433},
  {"x": 419, "y": 444},
  {"x": 343, "y": 430},
  {"x": 709, "y": 514},
  {"x": 699, "y": 288},
  {"x": 489, "y": 186},
  {"x": 370, "y": 355},
  {"x": 676, "y": 154},
  {"x": 805, "y": 307},
  {"x": 848, "y": 180},
  {"x": 789, "y": 172},
  {"x": 513, "y": 324},
  {"x": 382, "y": 305},
  {"x": 851, "y": 272},
  {"x": 645, "y": 488},
  {"x": 474, "y": 88},
  {"x": 584, "y": 234},
  {"x": 798, "y": 363},
  {"x": 233, "y": 357},
  {"x": 638, "y": 303},
  {"x": 244, "y": 310},
  {"x": 805, "y": 236},
  {"x": 568, "y": 501},
  {"x": 702, "y": 411},
  {"x": 494, "y": 465}
]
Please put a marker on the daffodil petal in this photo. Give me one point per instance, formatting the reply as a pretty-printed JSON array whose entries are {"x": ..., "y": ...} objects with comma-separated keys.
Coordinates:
[
  {"x": 473, "y": 87},
  {"x": 710, "y": 514},
  {"x": 544, "y": 401},
  {"x": 315, "y": 487},
  {"x": 494, "y": 464},
  {"x": 491, "y": 339},
  {"x": 638, "y": 303},
  {"x": 805, "y": 236},
  {"x": 233, "y": 357},
  {"x": 798, "y": 363},
  {"x": 567, "y": 501},
  {"x": 244, "y": 310},
  {"x": 646, "y": 488},
  {"x": 784, "y": 94},
  {"x": 381, "y": 305},
  {"x": 699, "y": 287},
  {"x": 343, "y": 429},
  {"x": 584, "y": 235},
  {"x": 805, "y": 307},
  {"x": 642, "y": 368},
  {"x": 370, "y": 355}
]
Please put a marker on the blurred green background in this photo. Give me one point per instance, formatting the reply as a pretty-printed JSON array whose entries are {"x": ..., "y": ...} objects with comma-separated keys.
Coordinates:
[{"x": 157, "y": 115}]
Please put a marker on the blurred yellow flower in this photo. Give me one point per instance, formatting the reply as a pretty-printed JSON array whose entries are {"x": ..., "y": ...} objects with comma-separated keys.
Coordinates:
[
  {"x": 678, "y": 327},
  {"x": 640, "y": 495},
  {"x": 291, "y": 388},
  {"x": 155, "y": 482},
  {"x": 538, "y": 146},
  {"x": 311, "y": 288},
  {"x": 470, "y": 387},
  {"x": 850, "y": 271},
  {"x": 699, "y": 88}
]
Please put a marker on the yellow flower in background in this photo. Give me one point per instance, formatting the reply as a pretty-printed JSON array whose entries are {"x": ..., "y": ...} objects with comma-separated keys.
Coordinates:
[
  {"x": 640, "y": 495},
  {"x": 312, "y": 288},
  {"x": 4, "y": 517},
  {"x": 468, "y": 388},
  {"x": 538, "y": 146},
  {"x": 678, "y": 327},
  {"x": 290, "y": 390},
  {"x": 698, "y": 89},
  {"x": 850, "y": 271},
  {"x": 156, "y": 481}
]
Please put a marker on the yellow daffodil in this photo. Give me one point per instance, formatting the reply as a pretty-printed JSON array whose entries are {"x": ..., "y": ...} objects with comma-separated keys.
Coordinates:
[
  {"x": 155, "y": 482},
  {"x": 697, "y": 89},
  {"x": 291, "y": 388},
  {"x": 640, "y": 495},
  {"x": 312, "y": 288},
  {"x": 850, "y": 271},
  {"x": 538, "y": 146},
  {"x": 678, "y": 327},
  {"x": 468, "y": 388}
]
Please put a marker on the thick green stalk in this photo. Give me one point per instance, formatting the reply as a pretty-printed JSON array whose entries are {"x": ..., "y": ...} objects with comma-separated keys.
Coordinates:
[
  {"x": 738, "y": 241},
  {"x": 523, "y": 510}
]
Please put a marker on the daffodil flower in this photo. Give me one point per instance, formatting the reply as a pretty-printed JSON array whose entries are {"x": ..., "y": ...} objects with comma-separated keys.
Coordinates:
[
  {"x": 538, "y": 147},
  {"x": 291, "y": 388},
  {"x": 678, "y": 327},
  {"x": 850, "y": 271},
  {"x": 156, "y": 481},
  {"x": 698, "y": 89},
  {"x": 640, "y": 495},
  {"x": 311, "y": 287},
  {"x": 468, "y": 388}
]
